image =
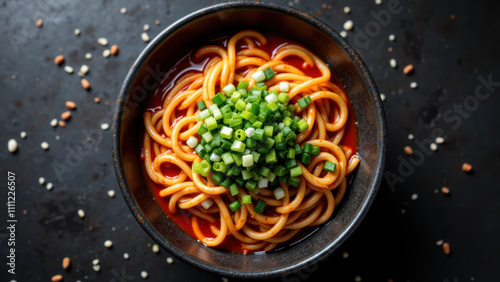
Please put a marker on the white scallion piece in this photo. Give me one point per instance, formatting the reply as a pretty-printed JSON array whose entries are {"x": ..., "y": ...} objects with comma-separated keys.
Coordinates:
[
  {"x": 206, "y": 204},
  {"x": 279, "y": 193},
  {"x": 284, "y": 86},
  {"x": 192, "y": 142},
  {"x": 259, "y": 76}
]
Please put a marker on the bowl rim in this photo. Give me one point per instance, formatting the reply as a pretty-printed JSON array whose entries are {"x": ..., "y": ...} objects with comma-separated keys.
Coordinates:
[{"x": 309, "y": 19}]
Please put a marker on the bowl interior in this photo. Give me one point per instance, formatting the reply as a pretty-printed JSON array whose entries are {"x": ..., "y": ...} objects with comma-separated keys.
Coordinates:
[{"x": 145, "y": 75}]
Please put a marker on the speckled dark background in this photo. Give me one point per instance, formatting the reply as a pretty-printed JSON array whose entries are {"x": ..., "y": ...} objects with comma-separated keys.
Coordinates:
[{"x": 453, "y": 46}]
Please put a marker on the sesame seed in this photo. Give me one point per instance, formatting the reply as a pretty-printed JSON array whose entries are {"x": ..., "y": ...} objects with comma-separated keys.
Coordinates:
[
  {"x": 382, "y": 96},
  {"x": 413, "y": 85},
  {"x": 59, "y": 59},
  {"x": 343, "y": 33},
  {"x": 393, "y": 63},
  {"x": 392, "y": 37},
  {"x": 84, "y": 69},
  {"x": 96, "y": 268},
  {"x": 348, "y": 25},
  {"x": 126, "y": 256},
  {"x": 144, "y": 274},
  {"x": 102, "y": 41},
  {"x": 170, "y": 260},
  {"x": 56, "y": 278},
  {"x": 345, "y": 255},
  {"x": 111, "y": 193},
  {"x": 53, "y": 122},
  {"x": 104, "y": 126},
  {"x": 108, "y": 243},
  {"x": 357, "y": 278},
  {"x": 12, "y": 145},
  {"x": 114, "y": 50},
  {"x": 224, "y": 279},
  {"x": 445, "y": 190},
  {"x": 66, "y": 115},
  {"x": 123, "y": 10},
  {"x": 414, "y": 196},
  {"x": 23, "y": 134},
  {"x": 145, "y": 37},
  {"x": 95, "y": 262},
  {"x": 85, "y": 83},
  {"x": 347, "y": 9},
  {"x": 57, "y": 137},
  {"x": 439, "y": 140},
  {"x": 77, "y": 32},
  {"x": 156, "y": 248},
  {"x": 81, "y": 213},
  {"x": 68, "y": 69},
  {"x": 378, "y": 2},
  {"x": 439, "y": 243},
  {"x": 411, "y": 136},
  {"x": 106, "y": 53},
  {"x": 408, "y": 69},
  {"x": 49, "y": 186},
  {"x": 157, "y": 22},
  {"x": 466, "y": 167},
  {"x": 88, "y": 56},
  {"x": 44, "y": 145},
  {"x": 145, "y": 27},
  {"x": 446, "y": 248},
  {"x": 41, "y": 180},
  {"x": 433, "y": 146}
]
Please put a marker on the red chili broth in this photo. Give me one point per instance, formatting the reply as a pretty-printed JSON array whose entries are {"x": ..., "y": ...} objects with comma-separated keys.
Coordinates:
[{"x": 187, "y": 64}]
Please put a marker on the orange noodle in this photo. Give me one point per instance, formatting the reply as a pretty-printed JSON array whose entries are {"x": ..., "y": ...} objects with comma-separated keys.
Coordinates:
[{"x": 168, "y": 160}]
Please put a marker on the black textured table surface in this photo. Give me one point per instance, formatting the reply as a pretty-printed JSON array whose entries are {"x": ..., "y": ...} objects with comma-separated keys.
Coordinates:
[{"x": 452, "y": 46}]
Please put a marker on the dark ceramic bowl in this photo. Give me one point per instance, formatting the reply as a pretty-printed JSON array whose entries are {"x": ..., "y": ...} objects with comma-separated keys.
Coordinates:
[{"x": 161, "y": 53}]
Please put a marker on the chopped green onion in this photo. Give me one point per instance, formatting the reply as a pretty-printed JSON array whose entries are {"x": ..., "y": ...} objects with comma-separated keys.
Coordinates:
[
  {"x": 229, "y": 89},
  {"x": 233, "y": 189},
  {"x": 235, "y": 205},
  {"x": 304, "y": 101},
  {"x": 259, "y": 207},
  {"x": 247, "y": 161},
  {"x": 305, "y": 158},
  {"x": 303, "y": 125},
  {"x": 202, "y": 168},
  {"x": 201, "y": 105},
  {"x": 227, "y": 158},
  {"x": 329, "y": 166},
  {"x": 246, "y": 199},
  {"x": 207, "y": 136},
  {"x": 240, "y": 135},
  {"x": 263, "y": 183},
  {"x": 211, "y": 123},
  {"x": 204, "y": 114},
  {"x": 219, "y": 166},
  {"x": 269, "y": 73},
  {"x": 238, "y": 146},
  {"x": 296, "y": 171},
  {"x": 217, "y": 178},
  {"x": 242, "y": 85}
]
